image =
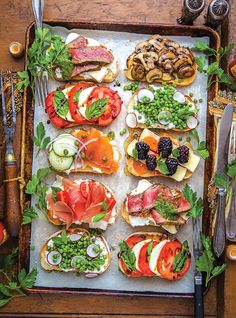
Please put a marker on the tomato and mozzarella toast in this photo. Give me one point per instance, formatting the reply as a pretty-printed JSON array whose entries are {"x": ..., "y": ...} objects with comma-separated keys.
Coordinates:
[
  {"x": 156, "y": 204},
  {"x": 84, "y": 151},
  {"x": 76, "y": 250},
  {"x": 150, "y": 154},
  {"x": 92, "y": 61},
  {"x": 154, "y": 254},
  {"x": 80, "y": 201},
  {"x": 82, "y": 103}
]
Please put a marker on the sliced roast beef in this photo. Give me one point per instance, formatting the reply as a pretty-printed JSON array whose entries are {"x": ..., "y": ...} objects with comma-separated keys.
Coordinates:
[
  {"x": 159, "y": 219},
  {"x": 80, "y": 41},
  {"x": 93, "y": 54},
  {"x": 135, "y": 203},
  {"x": 78, "y": 69},
  {"x": 182, "y": 205},
  {"x": 150, "y": 196}
]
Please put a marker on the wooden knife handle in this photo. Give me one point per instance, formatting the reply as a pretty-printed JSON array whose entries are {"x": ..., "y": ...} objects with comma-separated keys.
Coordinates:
[{"x": 12, "y": 203}]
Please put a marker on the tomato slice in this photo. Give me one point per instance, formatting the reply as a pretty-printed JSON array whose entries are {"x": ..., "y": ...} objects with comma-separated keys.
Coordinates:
[
  {"x": 143, "y": 261},
  {"x": 134, "y": 239},
  {"x": 73, "y": 105},
  {"x": 55, "y": 119},
  {"x": 63, "y": 196},
  {"x": 166, "y": 259},
  {"x": 84, "y": 189}
]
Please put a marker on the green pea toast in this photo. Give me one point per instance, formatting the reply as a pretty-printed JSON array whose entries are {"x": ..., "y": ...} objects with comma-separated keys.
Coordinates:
[{"x": 76, "y": 250}]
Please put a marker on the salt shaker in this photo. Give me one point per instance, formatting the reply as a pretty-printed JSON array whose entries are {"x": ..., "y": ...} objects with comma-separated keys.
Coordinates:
[
  {"x": 217, "y": 11},
  {"x": 190, "y": 11}
]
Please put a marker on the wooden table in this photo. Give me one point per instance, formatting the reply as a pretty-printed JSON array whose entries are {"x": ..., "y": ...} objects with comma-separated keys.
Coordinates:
[{"x": 15, "y": 16}]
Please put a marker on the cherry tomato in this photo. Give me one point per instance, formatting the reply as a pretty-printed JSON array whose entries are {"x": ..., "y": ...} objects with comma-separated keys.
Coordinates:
[
  {"x": 84, "y": 189},
  {"x": 73, "y": 105},
  {"x": 3, "y": 233},
  {"x": 63, "y": 196},
  {"x": 166, "y": 259},
  {"x": 55, "y": 119}
]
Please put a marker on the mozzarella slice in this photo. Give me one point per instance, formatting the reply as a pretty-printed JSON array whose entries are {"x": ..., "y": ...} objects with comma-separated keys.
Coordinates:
[
  {"x": 141, "y": 221},
  {"x": 136, "y": 250},
  {"x": 154, "y": 257},
  {"x": 171, "y": 228}
]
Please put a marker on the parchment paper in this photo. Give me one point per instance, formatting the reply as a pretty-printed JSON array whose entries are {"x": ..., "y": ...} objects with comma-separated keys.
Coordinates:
[{"x": 122, "y": 44}]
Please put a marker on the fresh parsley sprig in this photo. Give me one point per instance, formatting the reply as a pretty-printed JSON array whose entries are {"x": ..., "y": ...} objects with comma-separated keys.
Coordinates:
[
  {"x": 14, "y": 284},
  {"x": 201, "y": 149},
  {"x": 195, "y": 202},
  {"x": 128, "y": 256},
  {"x": 206, "y": 262},
  {"x": 214, "y": 68},
  {"x": 40, "y": 140}
]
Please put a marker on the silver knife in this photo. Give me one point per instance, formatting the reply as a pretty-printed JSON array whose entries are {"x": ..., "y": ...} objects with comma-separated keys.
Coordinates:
[{"x": 222, "y": 156}]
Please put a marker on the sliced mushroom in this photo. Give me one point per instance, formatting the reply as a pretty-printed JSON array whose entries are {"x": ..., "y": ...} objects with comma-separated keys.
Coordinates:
[
  {"x": 182, "y": 60},
  {"x": 157, "y": 37},
  {"x": 143, "y": 47},
  {"x": 156, "y": 44},
  {"x": 168, "y": 65},
  {"x": 167, "y": 77},
  {"x": 138, "y": 72},
  {"x": 185, "y": 71},
  {"x": 185, "y": 51},
  {"x": 172, "y": 44},
  {"x": 148, "y": 59},
  {"x": 153, "y": 75},
  {"x": 167, "y": 56}
]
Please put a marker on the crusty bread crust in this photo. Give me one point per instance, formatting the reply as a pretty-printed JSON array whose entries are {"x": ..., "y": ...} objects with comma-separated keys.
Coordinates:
[
  {"x": 70, "y": 231},
  {"x": 155, "y": 236},
  {"x": 130, "y": 161},
  {"x": 141, "y": 125},
  {"x": 178, "y": 82}
]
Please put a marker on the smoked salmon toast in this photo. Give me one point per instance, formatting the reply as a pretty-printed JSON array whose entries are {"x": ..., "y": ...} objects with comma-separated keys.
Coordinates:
[
  {"x": 80, "y": 201},
  {"x": 84, "y": 151}
]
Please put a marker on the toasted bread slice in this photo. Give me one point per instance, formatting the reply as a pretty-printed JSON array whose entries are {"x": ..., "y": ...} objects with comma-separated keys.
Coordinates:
[{"x": 102, "y": 241}]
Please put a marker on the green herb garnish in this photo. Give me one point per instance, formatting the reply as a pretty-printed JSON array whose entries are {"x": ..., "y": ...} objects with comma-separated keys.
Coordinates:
[
  {"x": 181, "y": 258},
  {"x": 40, "y": 140},
  {"x": 135, "y": 153},
  {"x": 128, "y": 256},
  {"x": 162, "y": 166},
  {"x": 60, "y": 103},
  {"x": 54, "y": 192},
  {"x": 96, "y": 109},
  {"x": 195, "y": 202},
  {"x": 28, "y": 215},
  {"x": 76, "y": 96},
  {"x": 149, "y": 250},
  {"x": 201, "y": 149},
  {"x": 167, "y": 210},
  {"x": 101, "y": 215}
]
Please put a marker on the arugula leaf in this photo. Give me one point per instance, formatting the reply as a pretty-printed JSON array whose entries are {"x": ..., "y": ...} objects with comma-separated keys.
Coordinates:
[
  {"x": 231, "y": 169},
  {"x": 128, "y": 256},
  {"x": 195, "y": 202},
  {"x": 166, "y": 210},
  {"x": 28, "y": 215},
  {"x": 181, "y": 258},
  {"x": 205, "y": 263},
  {"x": 96, "y": 109},
  {"x": 76, "y": 96},
  {"x": 201, "y": 63},
  {"x": 54, "y": 192},
  {"x": 60, "y": 103},
  {"x": 135, "y": 154},
  {"x": 149, "y": 250},
  {"x": 221, "y": 181}
]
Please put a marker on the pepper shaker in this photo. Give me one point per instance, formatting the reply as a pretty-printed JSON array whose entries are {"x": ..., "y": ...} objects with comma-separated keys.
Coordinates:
[
  {"x": 190, "y": 11},
  {"x": 217, "y": 11}
]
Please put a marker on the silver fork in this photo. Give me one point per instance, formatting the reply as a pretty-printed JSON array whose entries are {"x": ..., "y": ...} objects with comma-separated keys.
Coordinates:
[
  {"x": 41, "y": 81},
  {"x": 12, "y": 208},
  {"x": 231, "y": 219}
]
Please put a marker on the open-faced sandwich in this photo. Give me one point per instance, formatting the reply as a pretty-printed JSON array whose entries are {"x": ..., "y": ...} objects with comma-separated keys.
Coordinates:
[
  {"x": 84, "y": 151},
  {"x": 156, "y": 204},
  {"x": 159, "y": 59},
  {"x": 83, "y": 103},
  {"x": 80, "y": 201},
  {"x": 76, "y": 250},
  {"x": 149, "y": 154},
  {"x": 154, "y": 254},
  {"x": 92, "y": 60},
  {"x": 161, "y": 107}
]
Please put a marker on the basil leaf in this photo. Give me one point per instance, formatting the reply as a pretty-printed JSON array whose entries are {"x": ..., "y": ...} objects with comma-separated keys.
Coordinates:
[
  {"x": 60, "y": 103},
  {"x": 96, "y": 109},
  {"x": 54, "y": 192},
  {"x": 64, "y": 237},
  {"x": 76, "y": 96},
  {"x": 99, "y": 217},
  {"x": 128, "y": 256},
  {"x": 105, "y": 206},
  {"x": 175, "y": 153},
  {"x": 149, "y": 250},
  {"x": 135, "y": 154},
  {"x": 181, "y": 258}
]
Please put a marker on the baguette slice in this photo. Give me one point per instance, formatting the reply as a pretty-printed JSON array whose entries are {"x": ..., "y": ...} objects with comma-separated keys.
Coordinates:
[{"x": 99, "y": 238}]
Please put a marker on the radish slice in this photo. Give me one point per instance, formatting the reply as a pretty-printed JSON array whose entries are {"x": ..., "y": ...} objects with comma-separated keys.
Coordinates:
[
  {"x": 179, "y": 97},
  {"x": 54, "y": 257},
  {"x": 75, "y": 237},
  {"x": 192, "y": 122},
  {"x": 91, "y": 275},
  {"x": 131, "y": 120},
  {"x": 164, "y": 117},
  {"x": 74, "y": 260},
  {"x": 93, "y": 250},
  {"x": 145, "y": 93}
]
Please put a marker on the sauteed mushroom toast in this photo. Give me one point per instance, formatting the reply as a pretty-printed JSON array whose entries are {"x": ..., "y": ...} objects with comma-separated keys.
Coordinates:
[{"x": 159, "y": 59}]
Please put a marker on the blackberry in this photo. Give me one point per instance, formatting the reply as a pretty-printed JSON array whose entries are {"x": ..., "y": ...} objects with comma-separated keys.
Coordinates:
[
  {"x": 165, "y": 147},
  {"x": 142, "y": 149},
  {"x": 151, "y": 162},
  {"x": 172, "y": 165},
  {"x": 183, "y": 154}
]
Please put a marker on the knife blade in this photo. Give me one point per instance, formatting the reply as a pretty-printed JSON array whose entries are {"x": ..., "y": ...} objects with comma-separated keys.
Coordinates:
[{"x": 222, "y": 155}]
